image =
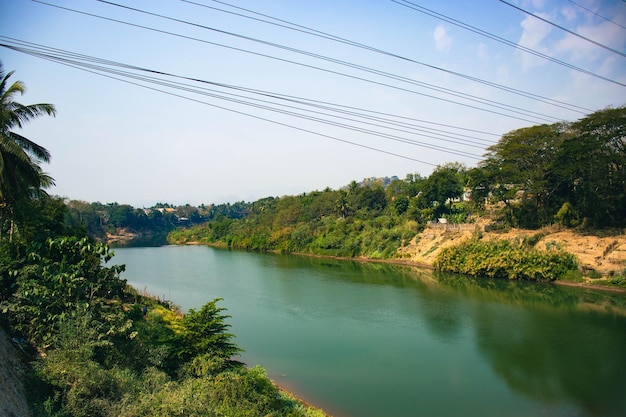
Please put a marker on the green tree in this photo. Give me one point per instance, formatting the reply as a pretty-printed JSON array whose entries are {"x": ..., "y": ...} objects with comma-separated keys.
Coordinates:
[
  {"x": 517, "y": 168},
  {"x": 479, "y": 184},
  {"x": 590, "y": 168},
  {"x": 206, "y": 334},
  {"x": 443, "y": 185},
  {"x": 342, "y": 205},
  {"x": 401, "y": 204},
  {"x": 21, "y": 176},
  {"x": 59, "y": 276},
  {"x": 288, "y": 210},
  {"x": 371, "y": 199}
]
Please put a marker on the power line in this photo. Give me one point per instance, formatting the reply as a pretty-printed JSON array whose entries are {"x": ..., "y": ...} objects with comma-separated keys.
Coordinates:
[
  {"x": 91, "y": 66},
  {"x": 249, "y": 115},
  {"x": 599, "y": 15},
  {"x": 543, "y": 118},
  {"x": 489, "y": 35},
  {"x": 454, "y": 93},
  {"x": 387, "y": 118},
  {"x": 564, "y": 29},
  {"x": 324, "y": 35}
]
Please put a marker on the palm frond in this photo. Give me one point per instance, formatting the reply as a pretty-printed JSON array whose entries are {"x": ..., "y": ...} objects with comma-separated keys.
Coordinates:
[{"x": 29, "y": 146}]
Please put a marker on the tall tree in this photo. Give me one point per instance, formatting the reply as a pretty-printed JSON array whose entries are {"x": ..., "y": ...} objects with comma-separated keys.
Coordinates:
[
  {"x": 517, "y": 169},
  {"x": 21, "y": 176},
  {"x": 444, "y": 185},
  {"x": 590, "y": 168}
]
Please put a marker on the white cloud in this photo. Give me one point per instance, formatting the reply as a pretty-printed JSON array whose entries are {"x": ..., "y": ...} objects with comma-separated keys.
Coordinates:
[
  {"x": 443, "y": 41},
  {"x": 569, "y": 13},
  {"x": 538, "y": 4},
  {"x": 579, "y": 49},
  {"x": 533, "y": 36}
]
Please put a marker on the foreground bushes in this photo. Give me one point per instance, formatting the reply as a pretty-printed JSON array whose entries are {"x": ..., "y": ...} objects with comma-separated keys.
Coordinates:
[
  {"x": 99, "y": 349},
  {"x": 505, "y": 259}
]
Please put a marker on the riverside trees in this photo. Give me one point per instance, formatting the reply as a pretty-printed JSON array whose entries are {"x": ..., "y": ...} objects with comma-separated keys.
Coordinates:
[
  {"x": 589, "y": 170},
  {"x": 568, "y": 173},
  {"x": 580, "y": 167}
]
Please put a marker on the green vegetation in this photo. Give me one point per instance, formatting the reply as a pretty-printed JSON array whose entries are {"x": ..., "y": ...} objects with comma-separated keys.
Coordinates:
[
  {"x": 94, "y": 352},
  {"x": 527, "y": 180},
  {"x": 98, "y": 219},
  {"x": 151, "y": 224},
  {"x": 372, "y": 219},
  {"x": 21, "y": 177},
  {"x": 93, "y": 346},
  {"x": 573, "y": 173},
  {"x": 505, "y": 259}
]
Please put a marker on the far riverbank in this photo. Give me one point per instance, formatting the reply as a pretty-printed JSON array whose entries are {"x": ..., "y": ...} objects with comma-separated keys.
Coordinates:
[{"x": 587, "y": 282}]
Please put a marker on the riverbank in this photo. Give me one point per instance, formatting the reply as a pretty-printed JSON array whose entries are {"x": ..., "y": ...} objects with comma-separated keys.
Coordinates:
[
  {"x": 599, "y": 257},
  {"x": 587, "y": 283}
]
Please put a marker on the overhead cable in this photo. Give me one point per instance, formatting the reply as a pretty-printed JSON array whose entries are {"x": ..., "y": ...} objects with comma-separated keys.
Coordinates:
[
  {"x": 525, "y": 119},
  {"x": 248, "y": 114},
  {"x": 599, "y": 15},
  {"x": 608, "y": 48},
  {"x": 391, "y": 121},
  {"x": 458, "y": 23},
  {"x": 454, "y": 93},
  {"x": 99, "y": 69},
  {"x": 325, "y": 35}
]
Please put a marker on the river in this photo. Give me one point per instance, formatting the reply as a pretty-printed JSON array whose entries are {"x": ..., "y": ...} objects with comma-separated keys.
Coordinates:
[{"x": 378, "y": 340}]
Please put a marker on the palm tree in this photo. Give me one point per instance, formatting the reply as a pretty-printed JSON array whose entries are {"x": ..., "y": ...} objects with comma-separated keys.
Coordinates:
[{"x": 21, "y": 176}]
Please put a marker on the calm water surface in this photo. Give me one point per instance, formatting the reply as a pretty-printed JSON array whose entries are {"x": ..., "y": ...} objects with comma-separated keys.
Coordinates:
[{"x": 376, "y": 340}]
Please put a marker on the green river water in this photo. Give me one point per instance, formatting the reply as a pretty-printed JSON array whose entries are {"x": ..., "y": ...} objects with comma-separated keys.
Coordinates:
[{"x": 378, "y": 340}]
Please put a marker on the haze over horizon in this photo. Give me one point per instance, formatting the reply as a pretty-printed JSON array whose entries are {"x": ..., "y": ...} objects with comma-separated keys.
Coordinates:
[{"x": 222, "y": 101}]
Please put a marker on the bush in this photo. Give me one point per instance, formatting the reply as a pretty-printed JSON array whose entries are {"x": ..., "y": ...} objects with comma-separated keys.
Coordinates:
[{"x": 504, "y": 259}]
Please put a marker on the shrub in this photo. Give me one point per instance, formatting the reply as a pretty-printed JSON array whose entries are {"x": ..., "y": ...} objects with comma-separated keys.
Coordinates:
[{"x": 504, "y": 259}]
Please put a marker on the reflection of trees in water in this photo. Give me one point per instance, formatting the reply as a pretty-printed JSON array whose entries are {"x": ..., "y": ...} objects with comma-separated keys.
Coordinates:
[
  {"x": 548, "y": 342},
  {"x": 557, "y": 357},
  {"x": 442, "y": 313},
  {"x": 535, "y": 295},
  {"x": 552, "y": 343}
]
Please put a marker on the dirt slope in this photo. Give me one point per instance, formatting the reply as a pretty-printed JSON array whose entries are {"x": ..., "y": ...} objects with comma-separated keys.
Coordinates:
[{"x": 604, "y": 255}]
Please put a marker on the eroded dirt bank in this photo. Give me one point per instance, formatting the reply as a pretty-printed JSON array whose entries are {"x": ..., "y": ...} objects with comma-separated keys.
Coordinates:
[{"x": 598, "y": 256}]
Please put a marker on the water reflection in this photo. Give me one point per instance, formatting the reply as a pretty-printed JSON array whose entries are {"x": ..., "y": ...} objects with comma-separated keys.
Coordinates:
[
  {"x": 552, "y": 343},
  {"x": 144, "y": 241}
]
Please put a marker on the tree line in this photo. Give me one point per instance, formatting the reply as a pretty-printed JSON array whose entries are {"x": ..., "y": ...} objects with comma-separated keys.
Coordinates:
[
  {"x": 572, "y": 174},
  {"x": 98, "y": 219}
]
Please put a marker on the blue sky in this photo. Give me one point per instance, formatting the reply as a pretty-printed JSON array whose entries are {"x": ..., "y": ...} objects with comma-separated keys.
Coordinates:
[{"x": 113, "y": 141}]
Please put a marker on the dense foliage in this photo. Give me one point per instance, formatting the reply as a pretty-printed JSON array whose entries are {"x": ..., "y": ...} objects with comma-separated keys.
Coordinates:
[
  {"x": 96, "y": 347},
  {"x": 96, "y": 352},
  {"x": 371, "y": 219},
  {"x": 505, "y": 259},
  {"x": 21, "y": 177},
  {"x": 152, "y": 224},
  {"x": 572, "y": 174}
]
